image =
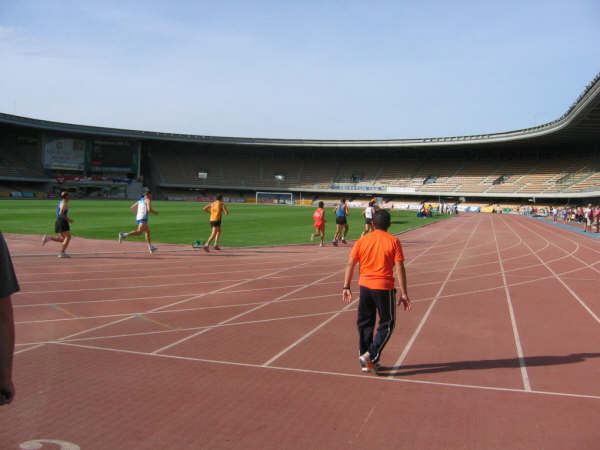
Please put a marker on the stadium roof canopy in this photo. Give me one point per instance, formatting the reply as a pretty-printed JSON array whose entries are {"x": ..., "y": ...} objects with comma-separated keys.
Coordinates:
[{"x": 580, "y": 123}]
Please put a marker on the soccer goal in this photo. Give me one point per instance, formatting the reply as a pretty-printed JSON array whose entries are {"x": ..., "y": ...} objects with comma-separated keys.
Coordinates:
[{"x": 275, "y": 198}]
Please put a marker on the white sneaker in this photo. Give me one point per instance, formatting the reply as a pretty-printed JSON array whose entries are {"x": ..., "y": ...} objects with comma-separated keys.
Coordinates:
[
  {"x": 312, "y": 237},
  {"x": 152, "y": 249},
  {"x": 45, "y": 239},
  {"x": 63, "y": 255},
  {"x": 121, "y": 237},
  {"x": 321, "y": 245}
]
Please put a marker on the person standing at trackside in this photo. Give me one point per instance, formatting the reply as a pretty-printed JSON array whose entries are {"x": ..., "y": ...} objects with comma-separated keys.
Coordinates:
[
  {"x": 379, "y": 255},
  {"x": 589, "y": 218},
  {"x": 141, "y": 208},
  {"x": 61, "y": 226},
  {"x": 8, "y": 286},
  {"x": 216, "y": 210},
  {"x": 341, "y": 222}
]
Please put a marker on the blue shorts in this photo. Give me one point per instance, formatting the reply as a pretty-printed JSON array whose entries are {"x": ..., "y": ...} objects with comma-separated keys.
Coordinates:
[{"x": 141, "y": 221}]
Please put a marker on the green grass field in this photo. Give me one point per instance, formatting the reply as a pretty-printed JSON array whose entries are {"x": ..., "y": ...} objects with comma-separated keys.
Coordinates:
[{"x": 184, "y": 222}]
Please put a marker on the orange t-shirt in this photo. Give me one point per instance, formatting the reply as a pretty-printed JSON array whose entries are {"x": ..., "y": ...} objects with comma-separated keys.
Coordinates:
[
  {"x": 216, "y": 209},
  {"x": 376, "y": 254}
]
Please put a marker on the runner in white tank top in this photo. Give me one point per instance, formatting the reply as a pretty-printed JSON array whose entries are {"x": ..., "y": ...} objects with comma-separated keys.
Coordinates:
[
  {"x": 142, "y": 207},
  {"x": 368, "y": 215}
]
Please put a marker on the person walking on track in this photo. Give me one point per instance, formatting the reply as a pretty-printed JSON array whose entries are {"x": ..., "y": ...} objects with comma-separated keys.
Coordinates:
[{"x": 379, "y": 255}]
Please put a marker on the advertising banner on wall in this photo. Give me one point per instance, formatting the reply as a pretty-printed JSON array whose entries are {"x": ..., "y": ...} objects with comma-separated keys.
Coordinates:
[{"x": 64, "y": 154}]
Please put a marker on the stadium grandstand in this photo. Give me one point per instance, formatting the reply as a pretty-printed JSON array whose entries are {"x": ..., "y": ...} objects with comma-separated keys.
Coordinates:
[{"x": 557, "y": 162}]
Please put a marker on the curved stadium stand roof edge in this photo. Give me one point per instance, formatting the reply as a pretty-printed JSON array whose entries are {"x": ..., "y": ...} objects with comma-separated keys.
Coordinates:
[{"x": 582, "y": 117}]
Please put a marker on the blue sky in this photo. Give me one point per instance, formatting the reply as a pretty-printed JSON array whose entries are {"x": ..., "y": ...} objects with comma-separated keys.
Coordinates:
[{"x": 306, "y": 69}]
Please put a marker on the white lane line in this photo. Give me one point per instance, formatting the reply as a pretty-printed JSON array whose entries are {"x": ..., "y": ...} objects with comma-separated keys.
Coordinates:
[
  {"x": 433, "y": 303},
  {"x": 336, "y": 374},
  {"x": 37, "y": 345},
  {"x": 177, "y": 330},
  {"x": 260, "y": 306},
  {"x": 166, "y": 347},
  {"x": 121, "y": 288},
  {"x": 566, "y": 286},
  {"x": 346, "y": 308},
  {"x": 513, "y": 320},
  {"x": 169, "y": 311},
  {"x": 181, "y": 301},
  {"x": 573, "y": 253}
]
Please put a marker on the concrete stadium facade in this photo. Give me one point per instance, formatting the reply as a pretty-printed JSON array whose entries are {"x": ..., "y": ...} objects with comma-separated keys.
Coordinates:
[{"x": 578, "y": 127}]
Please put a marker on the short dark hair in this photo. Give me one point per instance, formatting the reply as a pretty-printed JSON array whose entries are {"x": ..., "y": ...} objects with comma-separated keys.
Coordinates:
[
  {"x": 147, "y": 191},
  {"x": 64, "y": 194},
  {"x": 321, "y": 204},
  {"x": 382, "y": 220},
  {"x": 219, "y": 197}
]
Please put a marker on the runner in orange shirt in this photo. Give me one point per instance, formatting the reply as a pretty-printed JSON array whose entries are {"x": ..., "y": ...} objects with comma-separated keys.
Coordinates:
[
  {"x": 379, "y": 255},
  {"x": 319, "y": 218},
  {"x": 216, "y": 210}
]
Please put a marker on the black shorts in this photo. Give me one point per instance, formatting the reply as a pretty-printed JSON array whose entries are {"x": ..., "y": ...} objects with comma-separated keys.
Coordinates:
[
  {"x": 368, "y": 221},
  {"x": 215, "y": 223},
  {"x": 341, "y": 220},
  {"x": 61, "y": 225}
]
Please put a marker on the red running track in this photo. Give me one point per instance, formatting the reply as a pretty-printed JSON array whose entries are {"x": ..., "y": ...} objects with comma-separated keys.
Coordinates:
[{"x": 252, "y": 348}]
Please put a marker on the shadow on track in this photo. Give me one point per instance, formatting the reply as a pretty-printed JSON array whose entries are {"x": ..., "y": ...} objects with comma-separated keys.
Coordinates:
[{"x": 530, "y": 361}]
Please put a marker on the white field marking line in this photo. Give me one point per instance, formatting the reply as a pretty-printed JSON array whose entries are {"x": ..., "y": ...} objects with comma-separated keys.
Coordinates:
[
  {"x": 566, "y": 286},
  {"x": 137, "y": 299},
  {"x": 166, "y": 347},
  {"x": 349, "y": 307},
  {"x": 178, "y": 302},
  {"x": 518, "y": 269},
  {"x": 167, "y": 249},
  {"x": 344, "y": 309},
  {"x": 573, "y": 253},
  {"x": 433, "y": 303},
  {"x": 335, "y": 374},
  {"x": 168, "y": 311},
  {"x": 176, "y": 274},
  {"x": 590, "y": 243},
  {"x": 324, "y": 257},
  {"x": 174, "y": 271},
  {"x": 126, "y": 299},
  {"x": 149, "y": 265},
  {"x": 153, "y": 285},
  {"x": 146, "y": 286},
  {"x": 511, "y": 312},
  {"x": 453, "y": 251},
  {"x": 177, "y": 330},
  {"x": 37, "y": 345},
  {"x": 427, "y": 267},
  {"x": 421, "y": 300}
]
